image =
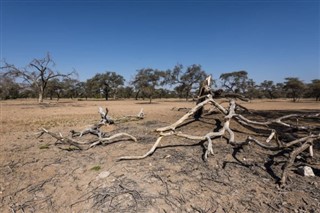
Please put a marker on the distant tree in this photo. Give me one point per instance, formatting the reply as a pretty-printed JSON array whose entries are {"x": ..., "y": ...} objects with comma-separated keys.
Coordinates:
[
  {"x": 80, "y": 88},
  {"x": 70, "y": 88},
  {"x": 163, "y": 93},
  {"x": 235, "y": 81},
  {"x": 253, "y": 89},
  {"x": 93, "y": 86},
  {"x": 37, "y": 74},
  {"x": 294, "y": 88},
  {"x": 27, "y": 92},
  {"x": 146, "y": 80},
  {"x": 113, "y": 82},
  {"x": 180, "y": 90},
  {"x": 125, "y": 92},
  {"x": 9, "y": 89},
  {"x": 185, "y": 80},
  {"x": 279, "y": 91},
  {"x": 268, "y": 88},
  {"x": 107, "y": 83},
  {"x": 54, "y": 88},
  {"x": 314, "y": 89}
]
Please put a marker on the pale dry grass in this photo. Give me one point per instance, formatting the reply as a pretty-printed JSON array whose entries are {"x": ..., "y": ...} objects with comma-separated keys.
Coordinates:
[{"x": 28, "y": 115}]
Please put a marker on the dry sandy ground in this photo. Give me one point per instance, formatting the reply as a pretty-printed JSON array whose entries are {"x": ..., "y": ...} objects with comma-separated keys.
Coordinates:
[{"x": 37, "y": 176}]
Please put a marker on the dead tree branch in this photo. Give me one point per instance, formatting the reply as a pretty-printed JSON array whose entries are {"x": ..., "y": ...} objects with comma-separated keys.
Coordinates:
[
  {"x": 294, "y": 147},
  {"x": 163, "y": 133},
  {"x": 93, "y": 129},
  {"x": 79, "y": 144}
]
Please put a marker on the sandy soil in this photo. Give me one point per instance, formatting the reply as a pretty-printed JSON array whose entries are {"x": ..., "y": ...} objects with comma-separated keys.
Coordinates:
[{"x": 37, "y": 176}]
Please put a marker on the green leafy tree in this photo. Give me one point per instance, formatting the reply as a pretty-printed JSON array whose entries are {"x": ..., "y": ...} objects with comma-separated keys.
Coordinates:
[
  {"x": 104, "y": 83},
  {"x": 252, "y": 89},
  {"x": 70, "y": 88},
  {"x": 163, "y": 93},
  {"x": 146, "y": 80},
  {"x": 279, "y": 90},
  {"x": 235, "y": 81},
  {"x": 81, "y": 89},
  {"x": 294, "y": 88},
  {"x": 268, "y": 88},
  {"x": 9, "y": 89},
  {"x": 125, "y": 92},
  {"x": 180, "y": 90},
  {"x": 185, "y": 81},
  {"x": 113, "y": 82},
  {"x": 314, "y": 89},
  {"x": 94, "y": 85},
  {"x": 54, "y": 88}
]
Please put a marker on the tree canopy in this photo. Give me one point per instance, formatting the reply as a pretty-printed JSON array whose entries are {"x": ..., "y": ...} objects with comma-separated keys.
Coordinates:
[
  {"x": 146, "y": 80},
  {"x": 104, "y": 83},
  {"x": 294, "y": 87},
  {"x": 235, "y": 81},
  {"x": 40, "y": 78},
  {"x": 185, "y": 80}
]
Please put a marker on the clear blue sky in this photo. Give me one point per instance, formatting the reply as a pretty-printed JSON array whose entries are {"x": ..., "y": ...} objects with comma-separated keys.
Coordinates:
[{"x": 270, "y": 39}]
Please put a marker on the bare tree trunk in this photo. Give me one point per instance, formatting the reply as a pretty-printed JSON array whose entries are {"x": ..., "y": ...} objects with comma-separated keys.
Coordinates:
[{"x": 41, "y": 93}]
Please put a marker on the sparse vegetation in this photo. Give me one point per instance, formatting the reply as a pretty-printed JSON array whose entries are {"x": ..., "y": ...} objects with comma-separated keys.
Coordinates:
[
  {"x": 147, "y": 83},
  {"x": 96, "y": 168},
  {"x": 44, "y": 146}
]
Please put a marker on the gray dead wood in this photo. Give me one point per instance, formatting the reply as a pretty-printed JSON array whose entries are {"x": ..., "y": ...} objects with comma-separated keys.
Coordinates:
[
  {"x": 294, "y": 147},
  {"x": 93, "y": 129},
  {"x": 164, "y": 131},
  {"x": 79, "y": 144},
  {"x": 105, "y": 119},
  {"x": 127, "y": 118}
]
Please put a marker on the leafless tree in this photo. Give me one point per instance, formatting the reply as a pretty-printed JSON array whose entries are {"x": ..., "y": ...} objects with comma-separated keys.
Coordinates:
[{"x": 37, "y": 73}]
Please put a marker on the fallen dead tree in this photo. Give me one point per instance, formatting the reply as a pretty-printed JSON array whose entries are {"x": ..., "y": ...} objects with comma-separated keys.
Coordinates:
[
  {"x": 79, "y": 145},
  {"x": 105, "y": 119},
  {"x": 272, "y": 141},
  {"x": 94, "y": 129}
]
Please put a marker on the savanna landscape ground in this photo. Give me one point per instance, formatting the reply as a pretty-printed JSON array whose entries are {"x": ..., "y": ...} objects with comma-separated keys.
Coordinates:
[{"x": 38, "y": 176}]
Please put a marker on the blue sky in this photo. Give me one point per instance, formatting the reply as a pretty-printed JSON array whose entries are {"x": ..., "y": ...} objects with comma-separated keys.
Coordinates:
[{"x": 270, "y": 39}]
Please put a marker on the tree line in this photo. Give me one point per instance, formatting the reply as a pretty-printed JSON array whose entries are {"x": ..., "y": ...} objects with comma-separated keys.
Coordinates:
[{"x": 40, "y": 80}]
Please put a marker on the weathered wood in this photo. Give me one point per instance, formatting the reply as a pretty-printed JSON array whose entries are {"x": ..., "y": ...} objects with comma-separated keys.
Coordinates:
[
  {"x": 294, "y": 147},
  {"x": 91, "y": 143},
  {"x": 292, "y": 158},
  {"x": 207, "y": 137},
  {"x": 145, "y": 155},
  {"x": 95, "y": 130}
]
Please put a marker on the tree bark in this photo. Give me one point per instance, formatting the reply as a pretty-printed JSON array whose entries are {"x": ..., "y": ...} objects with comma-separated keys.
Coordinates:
[{"x": 41, "y": 94}]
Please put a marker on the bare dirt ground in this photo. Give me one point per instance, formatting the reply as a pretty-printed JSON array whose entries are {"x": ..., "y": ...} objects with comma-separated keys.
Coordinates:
[{"x": 37, "y": 176}]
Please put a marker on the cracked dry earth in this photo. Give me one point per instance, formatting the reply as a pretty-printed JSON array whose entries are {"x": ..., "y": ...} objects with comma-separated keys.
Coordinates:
[{"x": 37, "y": 176}]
